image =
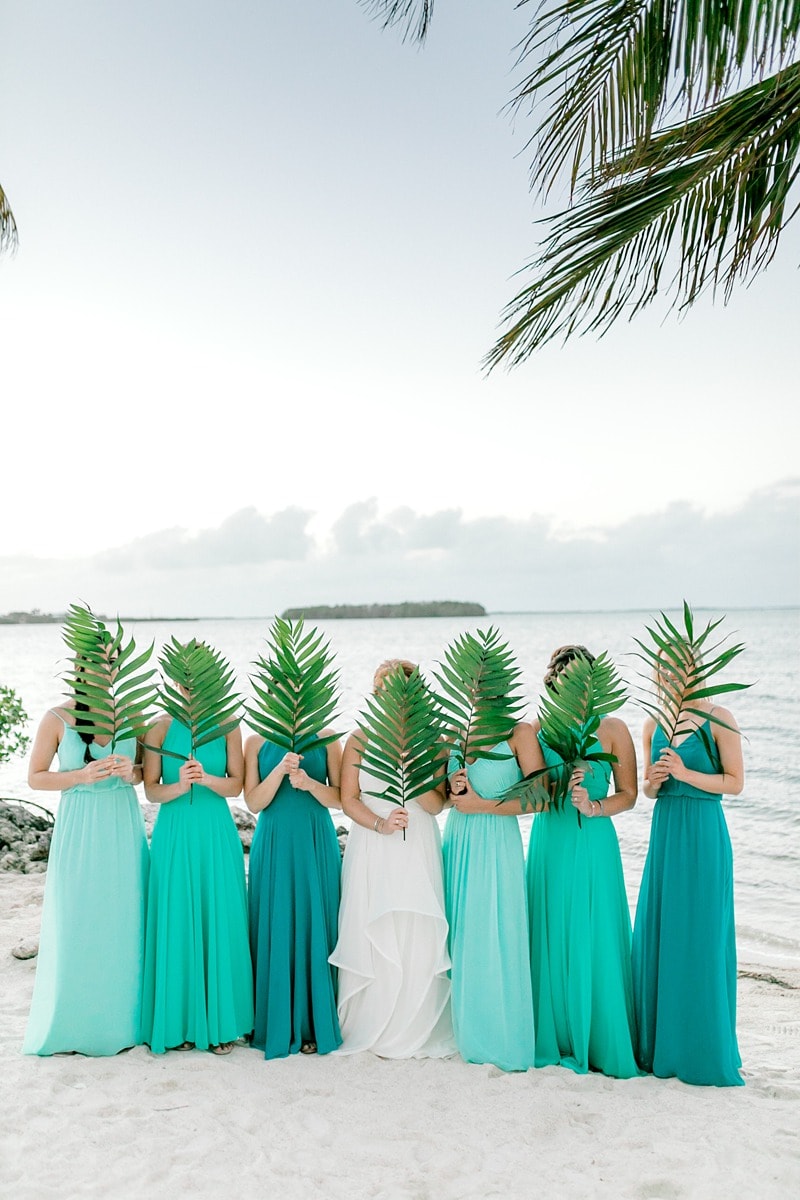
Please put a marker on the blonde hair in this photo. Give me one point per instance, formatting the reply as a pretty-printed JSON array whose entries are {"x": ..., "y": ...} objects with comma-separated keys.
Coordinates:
[{"x": 389, "y": 665}]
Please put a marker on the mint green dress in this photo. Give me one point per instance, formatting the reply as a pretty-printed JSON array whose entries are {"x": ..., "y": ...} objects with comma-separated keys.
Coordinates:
[
  {"x": 484, "y": 881},
  {"x": 198, "y": 984},
  {"x": 580, "y": 937},
  {"x": 87, "y": 992},
  {"x": 684, "y": 943},
  {"x": 295, "y": 868}
]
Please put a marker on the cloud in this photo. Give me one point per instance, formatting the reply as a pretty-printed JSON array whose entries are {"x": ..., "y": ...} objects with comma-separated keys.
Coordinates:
[
  {"x": 245, "y": 537},
  {"x": 256, "y": 565}
]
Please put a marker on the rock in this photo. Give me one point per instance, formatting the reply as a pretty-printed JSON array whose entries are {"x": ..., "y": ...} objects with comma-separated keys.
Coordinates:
[
  {"x": 24, "y": 837},
  {"x": 27, "y": 948}
]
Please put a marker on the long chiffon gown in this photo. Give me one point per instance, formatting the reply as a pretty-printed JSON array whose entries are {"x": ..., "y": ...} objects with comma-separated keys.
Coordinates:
[
  {"x": 87, "y": 992},
  {"x": 198, "y": 983},
  {"x": 484, "y": 872},
  {"x": 394, "y": 990},
  {"x": 684, "y": 942},
  {"x": 580, "y": 937},
  {"x": 295, "y": 868}
]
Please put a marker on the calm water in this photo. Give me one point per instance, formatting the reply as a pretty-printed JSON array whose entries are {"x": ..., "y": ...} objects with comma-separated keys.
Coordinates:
[{"x": 764, "y": 820}]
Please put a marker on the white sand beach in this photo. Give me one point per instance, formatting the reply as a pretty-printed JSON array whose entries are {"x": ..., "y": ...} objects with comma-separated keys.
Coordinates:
[{"x": 193, "y": 1124}]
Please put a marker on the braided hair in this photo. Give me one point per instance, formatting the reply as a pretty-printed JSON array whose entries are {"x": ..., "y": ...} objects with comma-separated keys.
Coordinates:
[{"x": 561, "y": 658}]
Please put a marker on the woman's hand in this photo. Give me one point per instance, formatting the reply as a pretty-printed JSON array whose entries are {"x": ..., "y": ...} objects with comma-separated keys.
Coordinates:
[
  {"x": 458, "y": 782},
  {"x": 397, "y": 819},
  {"x": 191, "y": 772},
  {"x": 94, "y": 771},
  {"x": 122, "y": 767},
  {"x": 298, "y": 778},
  {"x": 579, "y": 795},
  {"x": 468, "y": 801},
  {"x": 672, "y": 764}
]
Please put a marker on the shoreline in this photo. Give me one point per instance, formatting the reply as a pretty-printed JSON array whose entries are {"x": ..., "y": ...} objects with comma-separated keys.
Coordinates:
[{"x": 139, "y": 1124}]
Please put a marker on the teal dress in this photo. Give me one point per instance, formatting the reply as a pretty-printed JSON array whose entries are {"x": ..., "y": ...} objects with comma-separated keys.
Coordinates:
[
  {"x": 580, "y": 937},
  {"x": 484, "y": 880},
  {"x": 87, "y": 992},
  {"x": 295, "y": 868},
  {"x": 684, "y": 942},
  {"x": 198, "y": 984}
]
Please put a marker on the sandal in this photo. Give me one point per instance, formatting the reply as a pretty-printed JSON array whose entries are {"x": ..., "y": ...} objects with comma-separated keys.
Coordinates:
[
  {"x": 183, "y": 1046},
  {"x": 308, "y": 1048},
  {"x": 222, "y": 1048}
]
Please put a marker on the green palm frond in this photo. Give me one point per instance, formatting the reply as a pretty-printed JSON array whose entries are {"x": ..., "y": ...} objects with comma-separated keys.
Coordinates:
[
  {"x": 108, "y": 675},
  {"x": 569, "y": 717},
  {"x": 608, "y": 72},
  {"x": 295, "y": 688},
  {"x": 711, "y": 196},
  {"x": 8, "y": 226},
  {"x": 413, "y": 16},
  {"x": 480, "y": 706},
  {"x": 683, "y": 663},
  {"x": 202, "y": 699},
  {"x": 400, "y": 737}
]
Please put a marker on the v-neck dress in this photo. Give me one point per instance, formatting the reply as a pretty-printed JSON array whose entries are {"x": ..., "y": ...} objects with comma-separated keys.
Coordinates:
[
  {"x": 684, "y": 946},
  {"x": 87, "y": 992}
]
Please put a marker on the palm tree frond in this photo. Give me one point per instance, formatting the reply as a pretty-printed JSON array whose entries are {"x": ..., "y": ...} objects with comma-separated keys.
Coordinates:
[
  {"x": 203, "y": 699},
  {"x": 711, "y": 195},
  {"x": 295, "y": 688},
  {"x": 9, "y": 239},
  {"x": 400, "y": 737},
  {"x": 680, "y": 674},
  {"x": 108, "y": 675},
  {"x": 413, "y": 16},
  {"x": 480, "y": 706}
]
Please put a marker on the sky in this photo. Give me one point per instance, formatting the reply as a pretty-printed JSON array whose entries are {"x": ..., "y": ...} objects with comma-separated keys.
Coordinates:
[{"x": 264, "y": 248}]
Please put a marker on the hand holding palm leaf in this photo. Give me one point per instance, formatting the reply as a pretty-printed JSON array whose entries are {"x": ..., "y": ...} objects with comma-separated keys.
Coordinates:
[
  {"x": 587, "y": 690},
  {"x": 295, "y": 689},
  {"x": 480, "y": 708},
  {"x": 683, "y": 665},
  {"x": 107, "y": 677},
  {"x": 399, "y": 738},
  {"x": 202, "y": 700}
]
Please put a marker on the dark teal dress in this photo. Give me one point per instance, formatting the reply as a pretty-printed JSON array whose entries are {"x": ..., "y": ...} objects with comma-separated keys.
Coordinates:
[
  {"x": 684, "y": 947},
  {"x": 295, "y": 869}
]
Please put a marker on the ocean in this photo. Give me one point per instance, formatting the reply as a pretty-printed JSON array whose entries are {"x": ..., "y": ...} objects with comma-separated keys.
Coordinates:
[{"x": 764, "y": 820}]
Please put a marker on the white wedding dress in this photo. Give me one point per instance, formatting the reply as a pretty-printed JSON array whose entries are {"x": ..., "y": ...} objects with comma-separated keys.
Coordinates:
[{"x": 394, "y": 987}]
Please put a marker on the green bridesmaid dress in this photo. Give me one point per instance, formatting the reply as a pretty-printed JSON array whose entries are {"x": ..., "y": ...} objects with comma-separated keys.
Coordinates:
[
  {"x": 198, "y": 984},
  {"x": 484, "y": 879},
  {"x": 684, "y": 942},
  {"x": 87, "y": 992},
  {"x": 295, "y": 867},
  {"x": 580, "y": 938}
]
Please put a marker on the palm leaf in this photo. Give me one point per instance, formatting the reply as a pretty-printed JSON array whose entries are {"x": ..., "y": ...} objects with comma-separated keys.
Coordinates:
[
  {"x": 202, "y": 699},
  {"x": 108, "y": 675},
  {"x": 479, "y": 704},
  {"x": 8, "y": 227},
  {"x": 295, "y": 688},
  {"x": 413, "y": 16},
  {"x": 684, "y": 664},
  {"x": 400, "y": 738},
  {"x": 569, "y": 717}
]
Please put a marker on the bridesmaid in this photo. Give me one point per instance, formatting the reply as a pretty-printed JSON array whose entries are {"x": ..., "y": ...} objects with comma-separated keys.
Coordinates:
[
  {"x": 394, "y": 993},
  {"x": 684, "y": 943},
  {"x": 198, "y": 976},
  {"x": 580, "y": 921},
  {"x": 484, "y": 872},
  {"x": 87, "y": 992},
  {"x": 295, "y": 867}
]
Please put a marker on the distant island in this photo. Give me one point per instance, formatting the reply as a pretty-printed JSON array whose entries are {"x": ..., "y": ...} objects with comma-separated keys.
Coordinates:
[
  {"x": 409, "y": 608},
  {"x": 37, "y": 617}
]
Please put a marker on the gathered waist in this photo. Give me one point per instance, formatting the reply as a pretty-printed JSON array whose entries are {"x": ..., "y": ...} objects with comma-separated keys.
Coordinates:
[{"x": 689, "y": 794}]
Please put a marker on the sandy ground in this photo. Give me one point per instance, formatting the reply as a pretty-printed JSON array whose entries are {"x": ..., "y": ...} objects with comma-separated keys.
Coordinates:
[{"x": 193, "y": 1124}]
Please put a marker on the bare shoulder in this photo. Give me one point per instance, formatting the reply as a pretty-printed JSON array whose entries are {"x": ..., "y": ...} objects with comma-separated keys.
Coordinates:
[
  {"x": 523, "y": 734},
  {"x": 724, "y": 715},
  {"x": 253, "y": 743},
  {"x": 158, "y": 730},
  {"x": 649, "y": 727}
]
